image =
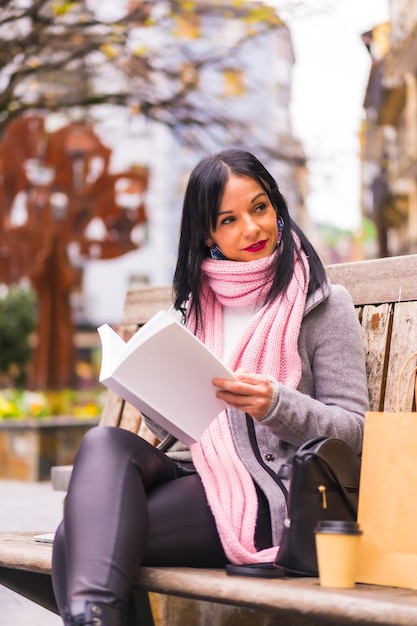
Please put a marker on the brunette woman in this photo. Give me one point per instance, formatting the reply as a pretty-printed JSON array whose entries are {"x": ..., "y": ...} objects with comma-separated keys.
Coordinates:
[{"x": 251, "y": 286}]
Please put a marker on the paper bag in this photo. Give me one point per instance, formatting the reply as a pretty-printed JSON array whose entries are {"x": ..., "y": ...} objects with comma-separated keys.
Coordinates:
[{"x": 387, "y": 507}]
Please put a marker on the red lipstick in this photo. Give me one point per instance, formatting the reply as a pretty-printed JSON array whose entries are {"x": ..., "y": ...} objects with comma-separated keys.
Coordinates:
[{"x": 256, "y": 247}]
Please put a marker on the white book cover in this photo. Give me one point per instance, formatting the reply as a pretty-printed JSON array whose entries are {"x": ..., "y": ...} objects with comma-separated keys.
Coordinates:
[{"x": 166, "y": 373}]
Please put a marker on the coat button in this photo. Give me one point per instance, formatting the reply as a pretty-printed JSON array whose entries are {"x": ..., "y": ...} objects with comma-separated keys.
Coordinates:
[{"x": 269, "y": 457}]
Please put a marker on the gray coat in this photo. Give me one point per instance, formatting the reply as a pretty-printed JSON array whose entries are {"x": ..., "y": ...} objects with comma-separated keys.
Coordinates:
[{"x": 331, "y": 398}]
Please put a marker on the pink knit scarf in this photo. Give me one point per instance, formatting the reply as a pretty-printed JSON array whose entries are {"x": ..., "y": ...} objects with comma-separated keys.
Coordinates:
[{"x": 268, "y": 345}]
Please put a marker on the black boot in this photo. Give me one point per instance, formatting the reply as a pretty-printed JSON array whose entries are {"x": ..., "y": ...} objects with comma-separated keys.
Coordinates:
[{"x": 92, "y": 614}]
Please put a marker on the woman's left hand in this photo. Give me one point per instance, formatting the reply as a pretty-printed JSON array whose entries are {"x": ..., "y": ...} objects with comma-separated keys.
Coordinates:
[{"x": 251, "y": 393}]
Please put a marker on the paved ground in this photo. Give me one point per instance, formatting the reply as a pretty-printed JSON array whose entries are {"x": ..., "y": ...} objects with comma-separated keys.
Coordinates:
[{"x": 27, "y": 506}]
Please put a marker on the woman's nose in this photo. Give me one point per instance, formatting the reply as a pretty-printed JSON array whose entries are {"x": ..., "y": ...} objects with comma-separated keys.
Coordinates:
[{"x": 250, "y": 227}]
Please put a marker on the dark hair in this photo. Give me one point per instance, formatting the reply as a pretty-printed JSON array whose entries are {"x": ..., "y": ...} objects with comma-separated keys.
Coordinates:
[{"x": 201, "y": 206}]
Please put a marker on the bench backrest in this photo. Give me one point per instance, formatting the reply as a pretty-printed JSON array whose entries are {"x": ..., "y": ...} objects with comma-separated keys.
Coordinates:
[{"x": 384, "y": 292}]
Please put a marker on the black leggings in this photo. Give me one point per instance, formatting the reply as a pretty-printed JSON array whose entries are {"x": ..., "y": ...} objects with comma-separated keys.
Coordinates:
[{"x": 130, "y": 504}]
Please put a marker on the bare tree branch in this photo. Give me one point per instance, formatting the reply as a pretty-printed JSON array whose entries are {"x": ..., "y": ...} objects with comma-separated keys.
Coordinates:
[{"x": 57, "y": 55}]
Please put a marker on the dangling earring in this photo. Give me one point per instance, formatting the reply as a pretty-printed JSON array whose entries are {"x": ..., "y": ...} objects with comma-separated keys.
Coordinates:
[
  {"x": 280, "y": 224},
  {"x": 216, "y": 253}
]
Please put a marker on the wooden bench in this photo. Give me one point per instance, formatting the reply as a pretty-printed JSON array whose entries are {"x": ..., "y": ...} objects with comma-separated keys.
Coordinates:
[{"x": 385, "y": 295}]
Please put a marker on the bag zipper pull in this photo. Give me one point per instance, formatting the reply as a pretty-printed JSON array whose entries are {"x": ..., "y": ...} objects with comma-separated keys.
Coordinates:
[{"x": 322, "y": 490}]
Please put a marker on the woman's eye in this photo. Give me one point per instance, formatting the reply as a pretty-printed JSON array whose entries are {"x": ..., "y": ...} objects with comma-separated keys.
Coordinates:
[
  {"x": 227, "y": 220},
  {"x": 260, "y": 208}
]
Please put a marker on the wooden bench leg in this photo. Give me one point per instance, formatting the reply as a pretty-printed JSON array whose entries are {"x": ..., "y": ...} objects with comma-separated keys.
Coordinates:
[
  {"x": 142, "y": 608},
  {"x": 31, "y": 585}
]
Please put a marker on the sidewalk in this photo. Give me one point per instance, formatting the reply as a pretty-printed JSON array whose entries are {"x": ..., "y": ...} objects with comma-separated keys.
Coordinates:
[{"x": 27, "y": 506}]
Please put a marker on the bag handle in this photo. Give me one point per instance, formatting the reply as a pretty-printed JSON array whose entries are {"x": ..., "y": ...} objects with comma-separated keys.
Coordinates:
[{"x": 408, "y": 383}]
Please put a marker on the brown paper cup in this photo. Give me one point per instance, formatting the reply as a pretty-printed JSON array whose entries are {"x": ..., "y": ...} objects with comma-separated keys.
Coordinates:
[{"x": 337, "y": 544}]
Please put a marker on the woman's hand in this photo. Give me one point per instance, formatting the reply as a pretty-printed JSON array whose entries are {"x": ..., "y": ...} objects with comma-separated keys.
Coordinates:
[{"x": 251, "y": 393}]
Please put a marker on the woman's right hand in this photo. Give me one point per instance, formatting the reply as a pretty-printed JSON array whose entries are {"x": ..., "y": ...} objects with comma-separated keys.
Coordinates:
[{"x": 251, "y": 393}]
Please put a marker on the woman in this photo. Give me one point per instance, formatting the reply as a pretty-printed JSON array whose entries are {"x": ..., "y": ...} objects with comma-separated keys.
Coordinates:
[{"x": 251, "y": 286}]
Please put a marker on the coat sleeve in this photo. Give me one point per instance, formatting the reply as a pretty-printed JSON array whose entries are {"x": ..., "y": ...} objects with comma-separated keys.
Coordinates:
[{"x": 332, "y": 396}]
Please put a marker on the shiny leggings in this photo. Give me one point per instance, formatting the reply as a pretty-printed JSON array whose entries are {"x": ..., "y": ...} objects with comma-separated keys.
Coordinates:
[{"x": 130, "y": 504}]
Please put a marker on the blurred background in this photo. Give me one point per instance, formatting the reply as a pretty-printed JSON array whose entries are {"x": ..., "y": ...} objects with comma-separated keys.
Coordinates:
[{"x": 106, "y": 107}]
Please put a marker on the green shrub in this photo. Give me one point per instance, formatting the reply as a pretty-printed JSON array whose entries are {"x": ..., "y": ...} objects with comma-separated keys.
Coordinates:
[{"x": 17, "y": 323}]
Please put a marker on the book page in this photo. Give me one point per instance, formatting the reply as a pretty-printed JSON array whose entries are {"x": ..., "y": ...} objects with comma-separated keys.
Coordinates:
[
  {"x": 157, "y": 322},
  {"x": 116, "y": 349},
  {"x": 112, "y": 349},
  {"x": 168, "y": 376}
]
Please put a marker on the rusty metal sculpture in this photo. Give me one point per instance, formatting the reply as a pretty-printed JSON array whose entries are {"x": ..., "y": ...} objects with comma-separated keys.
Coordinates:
[{"x": 59, "y": 201}]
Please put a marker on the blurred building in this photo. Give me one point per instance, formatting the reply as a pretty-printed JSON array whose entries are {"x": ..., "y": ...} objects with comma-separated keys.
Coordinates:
[
  {"x": 253, "y": 84},
  {"x": 389, "y": 132}
]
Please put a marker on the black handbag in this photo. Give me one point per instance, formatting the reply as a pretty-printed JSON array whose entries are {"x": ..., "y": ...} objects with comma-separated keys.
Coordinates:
[{"x": 324, "y": 485}]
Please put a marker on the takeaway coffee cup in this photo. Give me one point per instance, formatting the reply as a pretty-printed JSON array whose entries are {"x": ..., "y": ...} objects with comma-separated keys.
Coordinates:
[{"x": 337, "y": 544}]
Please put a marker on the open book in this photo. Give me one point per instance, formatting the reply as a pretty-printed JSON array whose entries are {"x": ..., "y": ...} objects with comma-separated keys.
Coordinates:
[{"x": 166, "y": 373}]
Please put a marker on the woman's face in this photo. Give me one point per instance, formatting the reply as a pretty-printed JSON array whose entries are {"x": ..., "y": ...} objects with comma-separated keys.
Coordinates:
[{"x": 246, "y": 228}]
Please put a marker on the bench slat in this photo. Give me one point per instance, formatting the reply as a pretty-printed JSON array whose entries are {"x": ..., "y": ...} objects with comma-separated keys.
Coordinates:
[
  {"x": 112, "y": 410},
  {"x": 403, "y": 344},
  {"x": 141, "y": 304},
  {"x": 131, "y": 418},
  {"x": 21, "y": 551},
  {"x": 376, "y": 327},
  {"x": 379, "y": 280},
  {"x": 288, "y": 599}
]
